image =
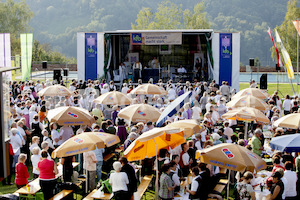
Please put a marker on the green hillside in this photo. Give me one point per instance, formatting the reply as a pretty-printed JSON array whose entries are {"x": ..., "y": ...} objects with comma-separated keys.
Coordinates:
[{"x": 57, "y": 21}]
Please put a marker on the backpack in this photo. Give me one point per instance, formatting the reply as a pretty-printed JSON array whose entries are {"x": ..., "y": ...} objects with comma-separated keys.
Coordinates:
[{"x": 106, "y": 186}]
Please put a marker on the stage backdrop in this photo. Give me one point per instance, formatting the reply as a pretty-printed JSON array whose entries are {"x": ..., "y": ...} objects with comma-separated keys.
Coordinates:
[
  {"x": 226, "y": 55},
  {"x": 90, "y": 55}
]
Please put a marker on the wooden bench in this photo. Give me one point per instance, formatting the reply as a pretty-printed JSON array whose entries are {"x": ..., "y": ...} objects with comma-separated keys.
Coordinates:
[
  {"x": 142, "y": 187},
  {"x": 108, "y": 156},
  {"x": 219, "y": 187},
  {"x": 62, "y": 194},
  {"x": 223, "y": 170},
  {"x": 223, "y": 181},
  {"x": 106, "y": 196},
  {"x": 80, "y": 181}
]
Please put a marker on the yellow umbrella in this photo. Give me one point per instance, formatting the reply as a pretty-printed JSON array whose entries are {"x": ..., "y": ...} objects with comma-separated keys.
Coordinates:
[
  {"x": 140, "y": 113},
  {"x": 189, "y": 126},
  {"x": 260, "y": 94},
  {"x": 84, "y": 142},
  {"x": 113, "y": 98},
  {"x": 149, "y": 89},
  {"x": 247, "y": 114},
  {"x": 248, "y": 101},
  {"x": 232, "y": 157},
  {"x": 149, "y": 143},
  {"x": 69, "y": 115},
  {"x": 289, "y": 121},
  {"x": 55, "y": 90},
  {"x": 143, "y": 146}
]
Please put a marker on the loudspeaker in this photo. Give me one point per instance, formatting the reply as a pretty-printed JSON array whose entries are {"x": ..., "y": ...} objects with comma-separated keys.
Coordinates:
[
  {"x": 66, "y": 72},
  {"x": 251, "y": 62},
  {"x": 277, "y": 67},
  {"x": 57, "y": 75},
  {"x": 44, "y": 64},
  {"x": 264, "y": 81}
]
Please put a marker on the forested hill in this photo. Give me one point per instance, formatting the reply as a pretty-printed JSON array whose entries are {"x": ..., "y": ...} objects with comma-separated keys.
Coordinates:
[{"x": 57, "y": 21}]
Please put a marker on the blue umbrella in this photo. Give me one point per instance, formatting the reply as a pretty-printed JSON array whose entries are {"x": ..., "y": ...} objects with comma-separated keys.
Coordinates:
[
  {"x": 288, "y": 143},
  {"x": 173, "y": 108}
]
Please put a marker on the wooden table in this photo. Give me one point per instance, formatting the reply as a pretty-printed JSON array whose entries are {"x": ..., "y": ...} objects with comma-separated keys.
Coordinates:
[
  {"x": 29, "y": 193},
  {"x": 35, "y": 184},
  {"x": 106, "y": 196}
]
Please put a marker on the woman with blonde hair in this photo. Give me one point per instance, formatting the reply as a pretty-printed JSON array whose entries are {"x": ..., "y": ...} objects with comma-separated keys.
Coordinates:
[{"x": 21, "y": 171}]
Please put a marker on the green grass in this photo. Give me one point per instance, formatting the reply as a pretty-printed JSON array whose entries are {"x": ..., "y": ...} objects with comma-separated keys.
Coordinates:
[{"x": 284, "y": 88}]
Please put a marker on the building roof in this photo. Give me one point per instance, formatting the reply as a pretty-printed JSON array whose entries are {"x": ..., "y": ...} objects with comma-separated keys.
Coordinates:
[{"x": 184, "y": 31}]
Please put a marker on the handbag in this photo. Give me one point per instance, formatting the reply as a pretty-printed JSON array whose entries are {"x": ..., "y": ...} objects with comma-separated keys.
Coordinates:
[
  {"x": 106, "y": 186},
  {"x": 11, "y": 151}
]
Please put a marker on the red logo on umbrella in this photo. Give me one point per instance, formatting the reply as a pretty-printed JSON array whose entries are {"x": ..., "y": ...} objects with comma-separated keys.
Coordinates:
[
  {"x": 142, "y": 113},
  {"x": 73, "y": 115},
  {"x": 228, "y": 153},
  {"x": 252, "y": 155},
  {"x": 78, "y": 140}
]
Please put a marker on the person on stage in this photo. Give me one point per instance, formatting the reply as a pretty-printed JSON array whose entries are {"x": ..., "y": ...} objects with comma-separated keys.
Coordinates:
[
  {"x": 181, "y": 69},
  {"x": 137, "y": 67}
]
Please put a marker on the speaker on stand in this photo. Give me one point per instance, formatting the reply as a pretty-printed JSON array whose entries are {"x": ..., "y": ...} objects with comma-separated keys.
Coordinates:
[
  {"x": 44, "y": 66},
  {"x": 66, "y": 74},
  {"x": 251, "y": 64},
  {"x": 57, "y": 75},
  {"x": 263, "y": 82}
]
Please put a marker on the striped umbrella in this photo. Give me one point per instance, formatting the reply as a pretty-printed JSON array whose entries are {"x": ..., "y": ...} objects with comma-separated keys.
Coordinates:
[{"x": 173, "y": 108}]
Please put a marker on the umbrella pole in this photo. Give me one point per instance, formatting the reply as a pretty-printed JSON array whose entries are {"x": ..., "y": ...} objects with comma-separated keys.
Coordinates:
[
  {"x": 246, "y": 131},
  {"x": 228, "y": 184},
  {"x": 156, "y": 179}
]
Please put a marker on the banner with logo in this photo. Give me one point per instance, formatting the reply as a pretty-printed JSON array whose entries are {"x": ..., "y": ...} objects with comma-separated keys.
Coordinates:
[
  {"x": 5, "y": 53},
  {"x": 225, "y": 58},
  {"x": 158, "y": 38},
  {"x": 26, "y": 54},
  {"x": 91, "y": 56}
]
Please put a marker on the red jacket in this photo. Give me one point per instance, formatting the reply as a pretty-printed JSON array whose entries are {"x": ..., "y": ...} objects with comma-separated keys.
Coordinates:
[{"x": 21, "y": 174}]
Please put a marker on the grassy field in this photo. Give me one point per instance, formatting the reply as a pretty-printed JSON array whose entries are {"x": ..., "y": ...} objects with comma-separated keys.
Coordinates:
[{"x": 284, "y": 88}]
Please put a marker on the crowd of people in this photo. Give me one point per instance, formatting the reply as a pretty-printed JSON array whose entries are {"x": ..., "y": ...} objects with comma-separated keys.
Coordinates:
[{"x": 33, "y": 138}]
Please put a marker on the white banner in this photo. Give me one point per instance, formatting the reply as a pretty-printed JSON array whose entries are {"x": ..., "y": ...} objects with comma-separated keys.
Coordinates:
[{"x": 156, "y": 38}]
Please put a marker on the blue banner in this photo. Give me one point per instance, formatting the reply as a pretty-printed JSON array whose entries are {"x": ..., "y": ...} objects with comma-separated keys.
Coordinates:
[
  {"x": 225, "y": 72},
  {"x": 90, "y": 56}
]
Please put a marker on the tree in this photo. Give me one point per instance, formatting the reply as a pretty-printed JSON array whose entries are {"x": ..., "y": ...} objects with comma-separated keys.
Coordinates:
[
  {"x": 196, "y": 20},
  {"x": 14, "y": 19},
  {"x": 144, "y": 20},
  {"x": 41, "y": 52},
  {"x": 170, "y": 16},
  {"x": 287, "y": 30}
]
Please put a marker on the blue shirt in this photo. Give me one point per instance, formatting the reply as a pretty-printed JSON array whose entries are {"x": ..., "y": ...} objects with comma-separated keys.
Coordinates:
[{"x": 99, "y": 154}]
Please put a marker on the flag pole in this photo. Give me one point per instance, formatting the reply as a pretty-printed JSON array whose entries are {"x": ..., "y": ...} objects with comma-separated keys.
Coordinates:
[{"x": 297, "y": 55}]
